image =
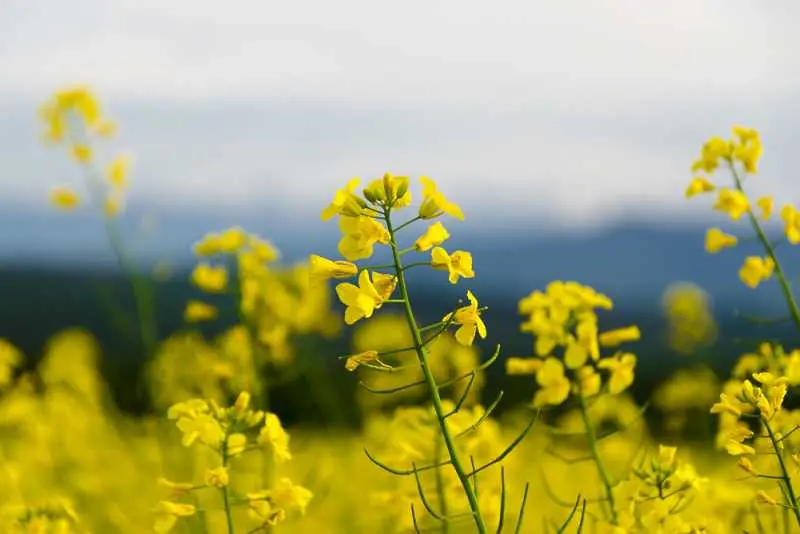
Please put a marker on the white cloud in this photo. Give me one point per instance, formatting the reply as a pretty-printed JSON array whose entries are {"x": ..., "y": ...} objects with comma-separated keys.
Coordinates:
[{"x": 570, "y": 111}]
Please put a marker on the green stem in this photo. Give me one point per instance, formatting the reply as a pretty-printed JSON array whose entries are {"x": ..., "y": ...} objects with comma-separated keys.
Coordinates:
[
  {"x": 225, "y": 491},
  {"x": 770, "y": 249},
  {"x": 591, "y": 437},
  {"x": 787, "y": 480},
  {"x": 440, "y": 489},
  {"x": 433, "y": 387}
]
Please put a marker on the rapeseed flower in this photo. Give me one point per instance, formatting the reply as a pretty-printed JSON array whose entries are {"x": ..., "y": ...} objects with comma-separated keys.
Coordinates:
[
  {"x": 469, "y": 319},
  {"x": 733, "y": 202},
  {"x": 717, "y": 240},
  {"x": 434, "y": 203},
  {"x": 458, "y": 264},
  {"x": 756, "y": 270}
]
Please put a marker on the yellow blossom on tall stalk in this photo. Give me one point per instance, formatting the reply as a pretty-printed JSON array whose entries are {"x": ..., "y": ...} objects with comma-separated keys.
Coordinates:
[{"x": 366, "y": 222}]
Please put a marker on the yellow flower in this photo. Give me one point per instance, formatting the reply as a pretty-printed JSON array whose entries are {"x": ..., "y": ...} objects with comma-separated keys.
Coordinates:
[
  {"x": 435, "y": 235},
  {"x": 727, "y": 405},
  {"x": 755, "y": 270},
  {"x": 231, "y": 240},
  {"x": 273, "y": 434},
  {"x": 235, "y": 444},
  {"x": 614, "y": 338},
  {"x": 763, "y": 498},
  {"x": 360, "y": 236},
  {"x": 621, "y": 366},
  {"x": 747, "y": 466},
  {"x": 217, "y": 477},
  {"x": 554, "y": 386},
  {"x": 385, "y": 284},
  {"x": 82, "y": 153},
  {"x": 200, "y": 427},
  {"x": 469, "y": 317},
  {"x": 361, "y": 300},
  {"x": 322, "y": 269},
  {"x": 713, "y": 150},
  {"x": 749, "y": 149},
  {"x": 10, "y": 358},
  {"x": 390, "y": 191},
  {"x": 117, "y": 171},
  {"x": 733, "y": 202},
  {"x": 287, "y": 495},
  {"x": 64, "y": 198},
  {"x": 434, "y": 203},
  {"x": 791, "y": 219},
  {"x": 717, "y": 240},
  {"x": 209, "y": 278},
  {"x": 175, "y": 490},
  {"x": 523, "y": 366},
  {"x": 736, "y": 448},
  {"x": 345, "y": 202},
  {"x": 699, "y": 185},
  {"x": 588, "y": 381},
  {"x": 197, "y": 311},
  {"x": 352, "y": 362},
  {"x": 167, "y": 514},
  {"x": 458, "y": 264},
  {"x": 766, "y": 205}
]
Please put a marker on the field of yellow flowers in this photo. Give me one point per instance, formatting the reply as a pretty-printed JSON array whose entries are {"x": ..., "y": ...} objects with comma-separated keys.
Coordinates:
[{"x": 433, "y": 455}]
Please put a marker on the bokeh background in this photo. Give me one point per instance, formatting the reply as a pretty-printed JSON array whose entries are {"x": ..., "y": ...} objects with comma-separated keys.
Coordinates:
[{"x": 564, "y": 129}]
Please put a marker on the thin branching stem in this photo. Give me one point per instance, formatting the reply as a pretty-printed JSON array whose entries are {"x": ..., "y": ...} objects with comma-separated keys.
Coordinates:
[{"x": 591, "y": 438}]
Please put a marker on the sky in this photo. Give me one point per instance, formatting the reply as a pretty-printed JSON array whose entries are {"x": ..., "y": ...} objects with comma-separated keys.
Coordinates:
[{"x": 567, "y": 114}]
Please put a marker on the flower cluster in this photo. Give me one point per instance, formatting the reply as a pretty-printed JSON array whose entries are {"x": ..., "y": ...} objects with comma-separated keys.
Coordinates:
[
  {"x": 563, "y": 317},
  {"x": 74, "y": 116},
  {"x": 229, "y": 433}
]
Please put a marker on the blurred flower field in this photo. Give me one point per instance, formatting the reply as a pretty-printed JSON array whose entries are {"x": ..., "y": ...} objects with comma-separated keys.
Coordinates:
[{"x": 435, "y": 453}]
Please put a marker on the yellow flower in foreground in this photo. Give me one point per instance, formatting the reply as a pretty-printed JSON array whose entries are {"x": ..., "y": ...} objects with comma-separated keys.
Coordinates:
[
  {"x": 64, "y": 198},
  {"x": 791, "y": 219},
  {"x": 390, "y": 191},
  {"x": 209, "y": 278},
  {"x": 323, "y": 269},
  {"x": 733, "y": 202},
  {"x": 717, "y": 240},
  {"x": 435, "y": 235},
  {"x": 167, "y": 514},
  {"x": 352, "y": 362},
  {"x": 360, "y": 236},
  {"x": 217, "y": 477},
  {"x": 458, "y": 264},
  {"x": 361, "y": 301},
  {"x": 434, "y": 203},
  {"x": 755, "y": 270},
  {"x": 273, "y": 434},
  {"x": 698, "y": 186},
  {"x": 197, "y": 311},
  {"x": 766, "y": 205},
  {"x": 621, "y": 366},
  {"x": 614, "y": 338},
  {"x": 469, "y": 317},
  {"x": 345, "y": 202},
  {"x": 554, "y": 386}
]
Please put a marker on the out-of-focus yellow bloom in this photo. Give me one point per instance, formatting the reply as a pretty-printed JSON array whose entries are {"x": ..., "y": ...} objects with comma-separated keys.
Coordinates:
[
  {"x": 469, "y": 317},
  {"x": 288, "y": 495},
  {"x": 217, "y": 477},
  {"x": 167, "y": 514},
  {"x": 113, "y": 205},
  {"x": 554, "y": 386},
  {"x": 458, "y": 264},
  {"x": 235, "y": 444},
  {"x": 117, "y": 171},
  {"x": 323, "y": 269},
  {"x": 762, "y": 497},
  {"x": 10, "y": 358},
  {"x": 273, "y": 435},
  {"x": 361, "y": 301},
  {"x": 197, "y": 311},
  {"x": 64, "y": 198},
  {"x": 523, "y": 366},
  {"x": 717, "y": 240},
  {"x": 345, "y": 202},
  {"x": 434, "y": 203},
  {"x": 766, "y": 205},
  {"x": 791, "y": 219},
  {"x": 435, "y": 235},
  {"x": 690, "y": 320},
  {"x": 615, "y": 338},
  {"x": 175, "y": 490},
  {"x": 736, "y": 448},
  {"x": 621, "y": 366},
  {"x": 209, "y": 278},
  {"x": 699, "y": 185},
  {"x": 588, "y": 381},
  {"x": 733, "y": 202},
  {"x": 81, "y": 153},
  {"x": 748, "y": 149},
  {"x": 755, "y": 270}
]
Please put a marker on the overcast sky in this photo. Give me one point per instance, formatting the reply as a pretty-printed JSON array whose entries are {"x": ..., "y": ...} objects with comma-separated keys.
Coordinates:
[{"x": 577, "y": 112}]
